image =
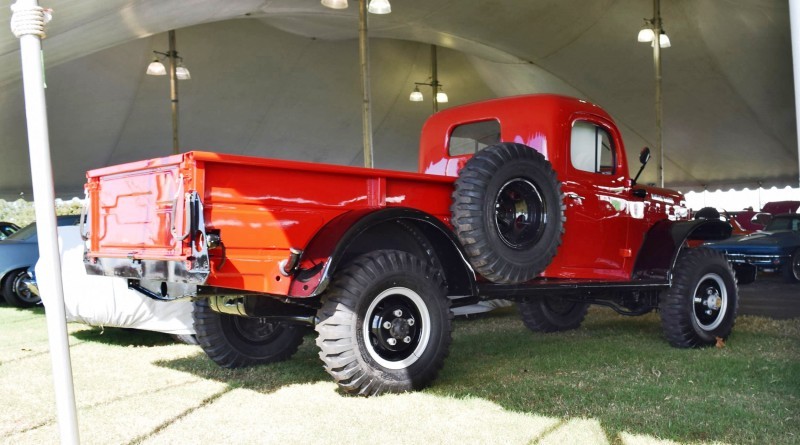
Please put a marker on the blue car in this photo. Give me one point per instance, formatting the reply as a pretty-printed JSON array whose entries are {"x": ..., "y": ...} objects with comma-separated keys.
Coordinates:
[
  {"x": 18, "y": 252},
  {"x": 776, "y": 248}
]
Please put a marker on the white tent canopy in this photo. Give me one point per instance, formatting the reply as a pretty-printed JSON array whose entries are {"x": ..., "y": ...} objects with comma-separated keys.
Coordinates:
[{"x": 280, "y": 79}]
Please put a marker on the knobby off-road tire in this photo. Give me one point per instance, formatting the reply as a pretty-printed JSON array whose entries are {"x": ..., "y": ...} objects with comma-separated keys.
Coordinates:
[
  {"x": 552, "y": 314},
  {"x": 508, "y": 213},
  {"x": 16, "y": 292},
  {"x": 234, "y": 342},
  {"x": 384, "y": 325},
  {"x": 701, "y": 305},
  {"x": 791, "y": 271}
]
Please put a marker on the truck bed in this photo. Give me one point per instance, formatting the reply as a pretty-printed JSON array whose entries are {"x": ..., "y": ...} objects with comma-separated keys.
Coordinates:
[{"x": 261, "y": 209}]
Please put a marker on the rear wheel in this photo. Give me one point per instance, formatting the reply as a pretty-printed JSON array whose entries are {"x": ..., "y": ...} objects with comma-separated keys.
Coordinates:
[
  {"x": 701, "y": 305},
  {"x": 384, "y": 325},
  {"x": 16, "y": 291},
  {"x": 552, "y": 314},
  {"x": 234, "y": 342}
]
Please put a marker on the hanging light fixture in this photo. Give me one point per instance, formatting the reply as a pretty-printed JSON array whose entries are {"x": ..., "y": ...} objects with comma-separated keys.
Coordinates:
[
  {"x": 416, "y": 95},
  {"x": 438, "y": 95},
  {"x": 379, "y": 7},
  {"x": 156, "y": 68},
  {"x": 335, "y": 4},
  {"x": 647, "y": 35},
  {"x": 177, "y": 71},
  {"x": 375, "y": 6}
]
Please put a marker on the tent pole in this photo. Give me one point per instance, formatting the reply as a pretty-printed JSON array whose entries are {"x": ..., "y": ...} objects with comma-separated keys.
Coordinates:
[
  {"x": 27, "y": 23},
  {"x": 794, "y": 20},
  {"x": 366, "y": 111},
  {"x": 657, "y": 63},
  {"x": 173, "y": 91}
]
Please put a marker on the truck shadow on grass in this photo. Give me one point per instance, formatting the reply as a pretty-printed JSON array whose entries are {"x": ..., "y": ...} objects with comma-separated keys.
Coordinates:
[
  {"x": 619, "y": 371},
  {"x": 304, "y": 367}
]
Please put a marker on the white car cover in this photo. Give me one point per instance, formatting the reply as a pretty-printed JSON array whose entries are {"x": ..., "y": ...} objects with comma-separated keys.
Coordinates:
[{"x": 107, "y": 301}]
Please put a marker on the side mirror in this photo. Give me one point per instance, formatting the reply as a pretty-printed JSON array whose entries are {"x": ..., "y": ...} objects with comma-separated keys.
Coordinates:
[
  {"x": 644, "y": 156},
  {"x": 761, "y": 219}
]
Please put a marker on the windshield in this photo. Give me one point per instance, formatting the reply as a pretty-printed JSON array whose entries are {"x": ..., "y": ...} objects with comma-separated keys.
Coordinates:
[
  {"x": 24, "y": 233},
  {"x": 784, "y": 223}
]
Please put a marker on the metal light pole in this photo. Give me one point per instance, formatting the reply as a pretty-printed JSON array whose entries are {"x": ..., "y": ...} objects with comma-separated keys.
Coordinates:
[
  {"x": 434, "y": 79},
  {"x": 657, "y": 63},
  {"x": 173, "y": 90},
  {"x": 366, "y": 111}
]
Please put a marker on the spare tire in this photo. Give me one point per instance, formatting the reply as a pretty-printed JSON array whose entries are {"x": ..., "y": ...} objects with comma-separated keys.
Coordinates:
[
  {"x": 707, "y": 213},
  {"x": 508, "y": 213}
]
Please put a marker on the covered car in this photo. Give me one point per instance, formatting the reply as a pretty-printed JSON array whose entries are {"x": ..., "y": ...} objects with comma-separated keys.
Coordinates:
[
  {"x": 107, "y": 301},
  {"x": 776, "y": 248}
]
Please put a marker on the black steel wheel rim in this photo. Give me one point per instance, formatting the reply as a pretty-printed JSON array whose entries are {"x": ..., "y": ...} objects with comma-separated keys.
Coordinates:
[
  {"x": 396, "y": 328},
  {"x": 520, "y": 214},
  {"x": 710, "y": 301}
]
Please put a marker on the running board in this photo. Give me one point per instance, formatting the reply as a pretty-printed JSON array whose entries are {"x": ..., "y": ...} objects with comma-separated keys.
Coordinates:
[{"x": 489, "y": 291}]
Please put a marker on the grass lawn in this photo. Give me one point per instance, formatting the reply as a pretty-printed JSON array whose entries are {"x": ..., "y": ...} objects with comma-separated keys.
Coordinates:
[{"x": 615, "y": 380}]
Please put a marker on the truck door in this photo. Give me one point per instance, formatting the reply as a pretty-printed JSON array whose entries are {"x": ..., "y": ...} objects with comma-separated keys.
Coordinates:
[{"x": 596, "y": 189}]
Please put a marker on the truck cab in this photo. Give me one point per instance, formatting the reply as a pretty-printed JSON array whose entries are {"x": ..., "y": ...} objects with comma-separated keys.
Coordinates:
[{"x": 606, "y": 214}]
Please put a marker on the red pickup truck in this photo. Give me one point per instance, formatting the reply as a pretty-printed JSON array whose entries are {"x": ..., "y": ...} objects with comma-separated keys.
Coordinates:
[{"x": 526, "y": 198}]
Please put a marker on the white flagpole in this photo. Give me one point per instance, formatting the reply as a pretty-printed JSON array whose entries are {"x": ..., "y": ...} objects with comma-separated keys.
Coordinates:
[{"x": 27, "y": 23}]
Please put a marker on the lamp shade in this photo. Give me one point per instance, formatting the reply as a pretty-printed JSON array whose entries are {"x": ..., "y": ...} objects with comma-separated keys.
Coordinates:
[
  {"x": 182, "y": 72},
  {"x": 646, "y": 34},
  {"x": 156, "y": 68},
  {"x": 441, "y": 97},
  {"x": 416, "y": 95},
  {"x": 663, "y": 40},
  {"x": 335, "y": 4},
  {"x": 379, "y": 7}
]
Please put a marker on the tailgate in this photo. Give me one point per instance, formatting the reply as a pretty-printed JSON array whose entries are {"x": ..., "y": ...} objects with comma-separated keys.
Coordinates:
[{"x": 142, "y": 220}]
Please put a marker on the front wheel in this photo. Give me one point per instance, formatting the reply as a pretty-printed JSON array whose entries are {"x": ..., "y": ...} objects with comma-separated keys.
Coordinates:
[
  {"x": 384, "y": 325},
  {"x": 16, "y": 291},
  {"x": 791, "y": 271},
  {"x": 701, "y": 304},
  {"x": 234, "y": 342}
]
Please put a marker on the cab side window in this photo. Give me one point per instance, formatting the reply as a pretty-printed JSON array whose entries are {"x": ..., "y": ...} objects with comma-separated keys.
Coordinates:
[
  {"x": 469, "y": 138},
  {"x": 592, "y": 149}
]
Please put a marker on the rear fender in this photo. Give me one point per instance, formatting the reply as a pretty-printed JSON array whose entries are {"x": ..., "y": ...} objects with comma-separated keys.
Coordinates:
[
  {"x": 360, "y": 231},
  {"x": 664, "y": 241}
]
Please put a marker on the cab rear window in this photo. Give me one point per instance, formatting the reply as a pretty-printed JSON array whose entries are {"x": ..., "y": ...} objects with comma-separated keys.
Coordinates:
[{"x": 474, "y": 136}]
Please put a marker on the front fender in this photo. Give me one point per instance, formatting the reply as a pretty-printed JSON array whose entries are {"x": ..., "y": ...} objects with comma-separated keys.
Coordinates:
[{"x": 664, "y": 241}]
